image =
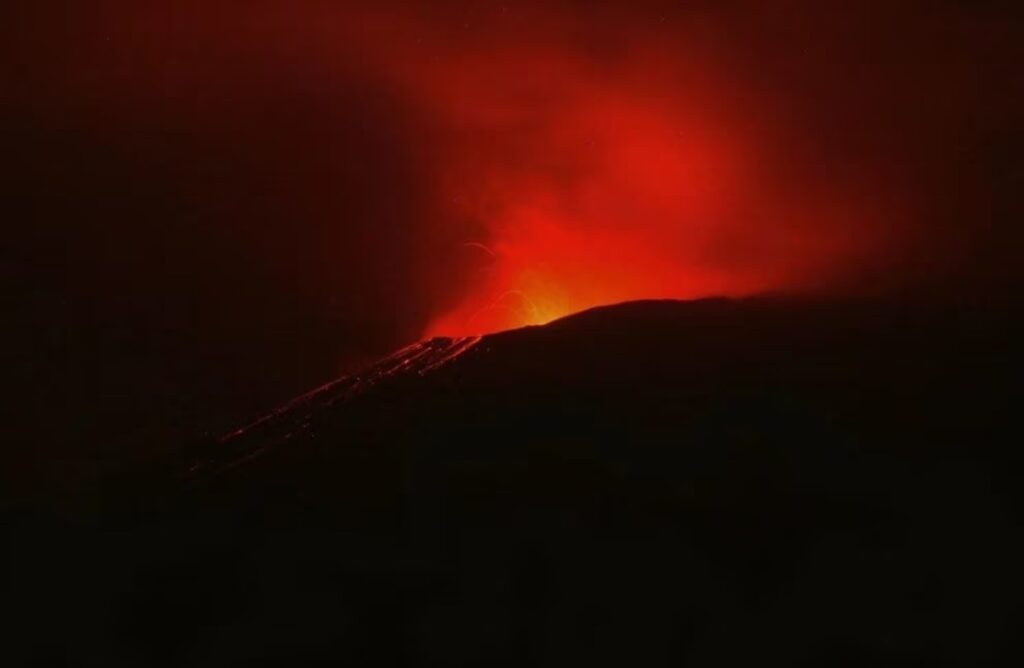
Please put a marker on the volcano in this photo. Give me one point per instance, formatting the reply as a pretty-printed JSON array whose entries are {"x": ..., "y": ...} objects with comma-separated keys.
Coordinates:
[{"x": 705, "y": 483}]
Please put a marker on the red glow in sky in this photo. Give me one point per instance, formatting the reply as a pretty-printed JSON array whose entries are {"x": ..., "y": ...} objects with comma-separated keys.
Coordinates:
[
  {"x": 583, "y": 177},
  {"x": 401, "y": 169}
]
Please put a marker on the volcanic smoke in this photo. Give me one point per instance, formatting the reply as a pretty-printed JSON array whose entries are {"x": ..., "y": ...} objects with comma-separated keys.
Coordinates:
[
  {"x": 471, "y": 168},
  {"x": 584, "y": 176}
]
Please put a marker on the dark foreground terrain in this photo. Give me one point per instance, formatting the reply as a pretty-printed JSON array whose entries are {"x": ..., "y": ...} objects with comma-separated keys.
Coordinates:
[{"x": 713, "y": 483}]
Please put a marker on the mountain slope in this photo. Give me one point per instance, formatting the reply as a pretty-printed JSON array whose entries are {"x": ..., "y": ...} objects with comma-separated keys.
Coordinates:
[{"x": 654, "y": 483}]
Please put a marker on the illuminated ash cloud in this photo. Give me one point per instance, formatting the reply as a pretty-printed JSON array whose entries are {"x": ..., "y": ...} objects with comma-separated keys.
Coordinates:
[
  {"x": 591, "y": 156},
  {"x": 460, "y": 167}
]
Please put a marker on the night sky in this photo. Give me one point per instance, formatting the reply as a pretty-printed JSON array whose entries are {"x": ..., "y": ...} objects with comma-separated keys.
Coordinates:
[{"x": 213, "y": 206}]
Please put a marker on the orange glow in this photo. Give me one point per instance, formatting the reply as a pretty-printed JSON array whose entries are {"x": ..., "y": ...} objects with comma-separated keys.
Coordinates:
[{"x": 584, "y": 178}]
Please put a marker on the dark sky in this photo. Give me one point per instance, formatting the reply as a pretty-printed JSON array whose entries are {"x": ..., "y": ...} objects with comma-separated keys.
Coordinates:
[{"x": 212, "y": 206}]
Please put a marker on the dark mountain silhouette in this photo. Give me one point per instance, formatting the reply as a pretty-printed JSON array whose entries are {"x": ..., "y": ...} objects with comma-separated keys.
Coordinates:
[{"x": 767, "y": 481}]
